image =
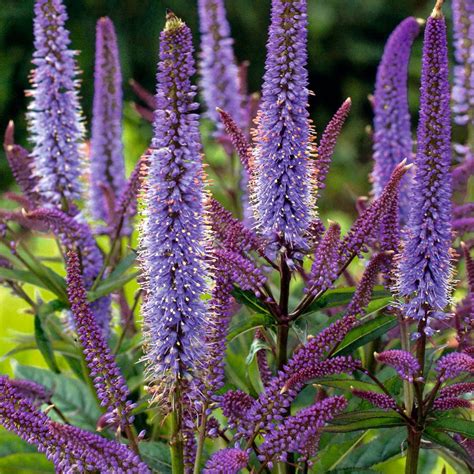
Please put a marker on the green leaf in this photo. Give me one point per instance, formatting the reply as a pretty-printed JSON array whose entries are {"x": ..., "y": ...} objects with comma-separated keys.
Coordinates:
[
  {"x": 110, "y": 284},
  {"x": 366, "y": 332},
  {"x": 12, "y": 444},
  {"x": 456, "y": 425},
  {"x": 247, "y": 298},
  {"x": 342, "y": 296},
  {"x": 247, "y": 323},
  {"x": 156, "y": 455},
  {"x": 44, "y": 345},
  {"x": 346, "y": 384},
  {"x": 257, "y": 345},
  {"x": 21, "y": 276},
  {"x": 386, "y": 445},
  {"x": 25, "y": 463},
  {"x": 71, "y": 396},
  {"x": 444, "y": 440},
  {"x": 363, "y": 420}
]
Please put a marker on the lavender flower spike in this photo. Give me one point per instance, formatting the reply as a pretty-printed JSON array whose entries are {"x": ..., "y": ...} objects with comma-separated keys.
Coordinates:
[
  {"x": 54, "y": 115},
  {"x": 218, "y": 68},
  {"x": 173, "y": 238},
  {"x": 463, "y": 90},
  {"x": 392, "y": 134},
  {"x": 283, "y": 189},
  {"x": 425, "y": 268},
  {"x": 107, "y": 165},
  {"x": 109, "y": 383},
  {"x": 229, "y": 460},
  {"x": 402, "y": 361},
  {"x": 454, "y": 364}
]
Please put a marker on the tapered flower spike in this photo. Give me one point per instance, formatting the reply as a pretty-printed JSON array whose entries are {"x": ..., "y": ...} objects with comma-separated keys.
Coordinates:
[
  {"x": 465, "y": 328},
  {"x": 229, "y": 460},
  {"x": 106, "y": 154},
  {"x": 454, "y": 364},
  {"x": 444, "y": 404},
  {"x": 300, "y": 433},
  {"x": 379, "y": 400},
  {"x": 69, "y": 448},
  {"x": 456, "y": 390},
  {"x": 463, "y": 89},
  {"x": 366, "y": 225},
  {"x": 32, "y": 391},
  {"x": 425, "y": 265},
  {"x": 392, "y": 133},
  {"x": 173, "y": 237},
  {"x": 108, "y": 381},
  {"x": 402, "y": 361},
  {"x": 21, "y": 164},
  {"x": 235, "y": 405},
  {"x": 328, "y": 143},
  {"x": 55, "y": 121},
  {"x": 218, "y": 68},
  {"x": 283, "y": 188},
  {"x": 324, "y": 270}
]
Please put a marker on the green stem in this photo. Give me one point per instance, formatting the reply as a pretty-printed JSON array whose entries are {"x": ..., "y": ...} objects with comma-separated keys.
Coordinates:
[
  {"x": 176, "y": 441},
  {"x": 408, "y": 393},
  {"x": 201, "y": 439},
  {"x": 414, "y": 443}
]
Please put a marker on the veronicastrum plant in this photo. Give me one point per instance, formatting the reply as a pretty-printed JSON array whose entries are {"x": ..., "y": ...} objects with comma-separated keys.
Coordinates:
[{"x": 252, "y": 344}]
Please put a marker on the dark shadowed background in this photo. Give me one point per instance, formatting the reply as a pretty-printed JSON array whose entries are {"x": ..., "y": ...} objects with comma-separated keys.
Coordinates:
[{"x": 346, "y": 40}]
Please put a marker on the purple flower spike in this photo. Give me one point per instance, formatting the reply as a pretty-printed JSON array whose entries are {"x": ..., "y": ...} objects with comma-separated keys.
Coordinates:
[
  {"x": 32, "y": 391},
  {"x": 229, "y": 460},
  {"x": 402, "y": 361},
  {"x": 174, "y": 239},
  {"x": 463, "y": 90},
  {"x": 363, "y": 293},
  {"x": 456, "y": 390},
  {"x": 379, "y": 400},
  {"x": 300, "y": 433},
  {"x": 454, "y": 364},
  {"x": 283, "y": 177},
  {"x": 55, "y": 121},
  {"x": 69, "y": 448},
  {"x": 235, "y": 405},
  {"x": 425, "y": 266},
  {"x": 366, "y": 225},
  {"x": 218, "y": 68},
  {"x": 449, "y": 403},
  {"x": 392, "y": 133},
  {"x": 328, "y": 142},
  {"x": 20, "y": 163},
  {"x": 109, "y": 383},
  {"x": 107, "y": 165},
  {"x": 325, "y": 268}
]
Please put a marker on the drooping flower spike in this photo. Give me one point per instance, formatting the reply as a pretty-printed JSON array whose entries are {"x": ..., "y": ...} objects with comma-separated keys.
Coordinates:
[
  {"x": 218, "y": 68},
  {"x": 402, "y": 361},
  {"x": 283, "y": 188},
  {"x": 69, "y": 448},
  {"x": 173, "y": 237},
  {"x": 108, "y": 381},
  {"x": 392, "y": 133},
  {"x": 454, "y": 364},
  {"x": 55, "y": 121},
  {"x": 425, "y": 265},
  {"x": 379, "y": 400},
  {"x": 106, "y": 152}
]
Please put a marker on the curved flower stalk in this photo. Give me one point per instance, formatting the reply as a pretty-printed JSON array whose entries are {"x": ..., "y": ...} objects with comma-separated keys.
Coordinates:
[
  {"x": 106, "y": 153},
  {"x": 218, "y": 68},
  {"x": 392, "y": 132},
  {"x": 173, "y": 237},
  {"x": 300, "y": 433},
  {"x": 68, "y": 447},
  {"x": 425, "y": 265},
  {"x": 54, "y": 115},
  {"x": 463, "y": 89},
  {"x": 283, "y": 188},
  {"x": 75, "y": 234},
  {"x": 328, "y": 142},
  {"x": 108, "y": 381}
]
